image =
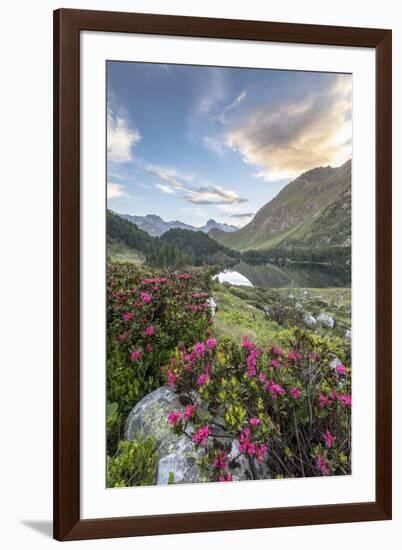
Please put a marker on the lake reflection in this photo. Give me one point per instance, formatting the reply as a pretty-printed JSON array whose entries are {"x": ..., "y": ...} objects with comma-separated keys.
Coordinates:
[{"x": 292, "y": 276}]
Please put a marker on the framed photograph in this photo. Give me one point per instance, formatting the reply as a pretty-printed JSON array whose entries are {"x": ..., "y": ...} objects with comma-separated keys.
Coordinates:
[{"x": 222, "y": 274}]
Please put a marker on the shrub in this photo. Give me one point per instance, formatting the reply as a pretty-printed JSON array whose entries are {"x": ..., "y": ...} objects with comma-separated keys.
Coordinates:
[
  {"x": 288, "y": 409},
  {"x": 148, "y": 316},
  {"x": 134, "y": 463}
]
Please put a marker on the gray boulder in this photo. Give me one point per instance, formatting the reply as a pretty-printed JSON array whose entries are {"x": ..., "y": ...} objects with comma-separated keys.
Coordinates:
[
  {"x": 177, "y": 453},
  {"x": 181, "y": 465},
  {"x": 309, "y": 320},
  {"x": 348, "y": 334},
  {"x": 212, "y": 305},
  {"x": 326, "y": 320}
]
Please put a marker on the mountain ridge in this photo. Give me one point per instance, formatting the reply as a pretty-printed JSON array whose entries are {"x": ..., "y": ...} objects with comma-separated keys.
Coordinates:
[
  {"x": 156, "y": 226},
  {"x": 313, "y": 210}
]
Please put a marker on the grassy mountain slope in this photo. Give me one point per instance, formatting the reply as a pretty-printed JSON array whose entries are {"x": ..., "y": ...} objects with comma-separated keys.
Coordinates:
[{"x": 312, "y": 210}]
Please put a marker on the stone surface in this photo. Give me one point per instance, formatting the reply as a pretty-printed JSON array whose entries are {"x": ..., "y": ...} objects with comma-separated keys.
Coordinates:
[
  {"x": 348, "y": 334},
  {"x": 181, "y": 464},
  {"x": 177, "y": 453},
  {"x": 213, "y": 305},
  {"x": 326, "y": 320},
  {"x": 309, "y": 320}
]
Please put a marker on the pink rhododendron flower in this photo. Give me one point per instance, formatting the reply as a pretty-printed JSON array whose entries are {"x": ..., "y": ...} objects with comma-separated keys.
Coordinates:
[
  {"x": 148, "y": 348},
  {"x": 136, "y": 355},
  {"x": 211, "y": 343},
  {"x": 262, "y": 377},
  {"x": 149, "y": 331},
  {"x": 127, "y": 316},
  {"x": 200, "y": 295},
  {"x": 202, "y": 379},
  {"x": 200, "y": 436},
  {"x": 244, "y": 440},
  {"x": 277, "y": 350},
  {"x": 252, "y": 363},
  {"x": 145, "y": 297},
  {"x": 295, "y": 393},
  {"x": 221, "y": 460},
  {"x": 174, "y": 418},
  {"x": 171, "y": 378},
  {"x": 313, "y": 356},
  {"x": 341, "y": 369},
  {"x": 294, "y": 355},
  {"x": 189, "y": 411},
  {"x": 199, "y": 349},
  {"x": 275, "y": 363},
  {"x": 322, "y": 465},
  {"x": 247, "y": 343},
  {"x": 323, "y": 400},
  {"x": 184, "y": 276},
  {"x": 345, "y": 400},
  {"x": 255, "y": 421},
  {"x": 274, "y": 389},
  {"x": 225, "y": 477},
  {"x": 260, "y": 452},
  {"x": 329, "y": 439}
]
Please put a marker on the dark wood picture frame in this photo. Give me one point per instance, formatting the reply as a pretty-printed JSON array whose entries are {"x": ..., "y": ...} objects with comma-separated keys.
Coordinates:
[{"x": 67, "y": 27}]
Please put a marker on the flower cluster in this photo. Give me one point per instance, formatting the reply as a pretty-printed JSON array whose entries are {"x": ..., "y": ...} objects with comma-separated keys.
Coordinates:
[
  {"x": 286, "y": 408},
  {"x": 147, "y": 317}
]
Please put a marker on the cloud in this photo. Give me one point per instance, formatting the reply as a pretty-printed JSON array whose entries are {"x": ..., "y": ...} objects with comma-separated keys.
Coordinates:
[
  {"x": 235, "y": 103},
  {"x": 120, "y": 137},
  {"x": 212, "y": 194},
  {"x": 165, "y": 188},
  {"x": 203, "y": 194},
  {"x": 288, "y": 136},
  {"x": 215, "y": 144},
  {"x": 241, "y": 215},
  {"x": 115, "y": 191}
]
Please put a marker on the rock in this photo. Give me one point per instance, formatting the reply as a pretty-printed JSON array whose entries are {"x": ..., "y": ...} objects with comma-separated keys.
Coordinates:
[
  {"x": 181, "y": 464},
  {"x": 213, "y": 305},
  {"x": 348, "y": 334},
  {"x": 299, "y": 307},
  {"x": 326, "y": 320},
  {"x": 177, "y": 453},
  {"x": 309, "y": 320}
]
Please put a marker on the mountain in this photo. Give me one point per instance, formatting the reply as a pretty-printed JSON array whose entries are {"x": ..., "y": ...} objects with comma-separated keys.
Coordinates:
[
  {"x": 175, "y": 248},
  {"x": 212, "y": 224},
  {"x": 312, "y": 212},
  {"x": 156, "y": 226}
]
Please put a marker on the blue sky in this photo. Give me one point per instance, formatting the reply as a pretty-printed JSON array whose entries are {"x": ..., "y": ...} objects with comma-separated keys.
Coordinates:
[{"x": 193, "y": 143}]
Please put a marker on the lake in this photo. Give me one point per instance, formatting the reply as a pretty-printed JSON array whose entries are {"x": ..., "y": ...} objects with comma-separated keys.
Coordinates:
[{"x": 292, "y": 276}]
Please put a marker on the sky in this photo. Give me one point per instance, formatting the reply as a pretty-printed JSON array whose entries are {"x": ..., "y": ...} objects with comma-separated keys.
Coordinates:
[{"x": 191, "y": 143}]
